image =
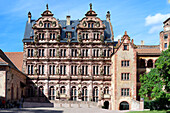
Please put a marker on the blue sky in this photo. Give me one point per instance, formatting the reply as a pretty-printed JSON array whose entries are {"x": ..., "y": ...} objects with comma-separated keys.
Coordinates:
[{"x": 142, "y": 19}]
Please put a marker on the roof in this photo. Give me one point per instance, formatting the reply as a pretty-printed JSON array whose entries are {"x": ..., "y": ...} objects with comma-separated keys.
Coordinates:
[
  {"x": 5, "y": 60},
  {"x": 166, "y": 20},
  {"x": 148, "y": 50},
  {"x": 16, "y": 58}
]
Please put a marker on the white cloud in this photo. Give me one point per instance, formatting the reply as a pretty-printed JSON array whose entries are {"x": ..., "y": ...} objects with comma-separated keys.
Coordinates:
[
  {"x": 156, "y": 28},
  {"x": 118, "y": 37},
  {"x": 156, "y": 19}
]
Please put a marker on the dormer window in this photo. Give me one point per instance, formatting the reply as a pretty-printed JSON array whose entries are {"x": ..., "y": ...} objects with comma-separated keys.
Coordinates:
[
  {"x": 48, "y": 25},
  {"x": 125, "y": 47},
  {"x": 45, "y": 25},
  {"x": 88, "y": 25},
  {"x": 92, "y": 25}
]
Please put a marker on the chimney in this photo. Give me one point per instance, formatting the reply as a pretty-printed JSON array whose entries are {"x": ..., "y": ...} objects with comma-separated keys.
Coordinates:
[
  {"x": 142, "y": 42},
  {"x": 132, "y": 41},
  {"x": 108, "y": 16},
  {"x": 29, "y": 17},
  {"x": 68, "y": 20}
]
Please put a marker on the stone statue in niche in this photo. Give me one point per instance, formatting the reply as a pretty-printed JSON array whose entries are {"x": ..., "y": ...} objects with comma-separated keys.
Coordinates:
[
  {"x": 101, "y": 70},
  {"x": 57, "y": 70},
  {"x": 79, "y": 70},
  {"x": 58, "y": 38}
]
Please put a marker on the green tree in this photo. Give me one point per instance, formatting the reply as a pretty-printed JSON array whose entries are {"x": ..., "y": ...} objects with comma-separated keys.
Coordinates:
[{"x": 156, "y": 83}]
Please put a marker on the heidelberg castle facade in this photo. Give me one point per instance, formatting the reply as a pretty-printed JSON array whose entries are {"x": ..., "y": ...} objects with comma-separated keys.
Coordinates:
[{"x": 79, "y": 60}]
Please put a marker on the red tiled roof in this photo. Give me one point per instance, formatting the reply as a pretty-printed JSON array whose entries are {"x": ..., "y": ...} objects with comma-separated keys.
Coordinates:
[
  {"x": 16, "y": 58},
  {"x": 149, "y": 51}
]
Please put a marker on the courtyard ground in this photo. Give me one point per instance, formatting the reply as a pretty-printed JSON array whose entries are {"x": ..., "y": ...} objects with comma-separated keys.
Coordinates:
[{"x": 58, "y": 110}]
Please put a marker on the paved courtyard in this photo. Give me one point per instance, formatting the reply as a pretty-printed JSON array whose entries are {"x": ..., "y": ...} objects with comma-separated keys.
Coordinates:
[{"x": 58, "y": 110}]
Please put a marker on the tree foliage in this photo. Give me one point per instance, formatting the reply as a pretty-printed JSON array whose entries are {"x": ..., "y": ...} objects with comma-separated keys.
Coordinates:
[{"x": 156, "y": 84}]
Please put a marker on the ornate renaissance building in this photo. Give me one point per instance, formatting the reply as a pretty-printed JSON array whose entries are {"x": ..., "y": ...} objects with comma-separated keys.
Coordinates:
[{"x": 69, "y": 59}]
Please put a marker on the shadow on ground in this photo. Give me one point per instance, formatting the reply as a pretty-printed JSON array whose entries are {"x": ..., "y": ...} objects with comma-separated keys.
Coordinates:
[{"x": 30, "y": 111}]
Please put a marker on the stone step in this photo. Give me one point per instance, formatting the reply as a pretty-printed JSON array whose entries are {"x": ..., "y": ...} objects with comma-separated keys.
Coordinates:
[{"x": 36, "y": 104}]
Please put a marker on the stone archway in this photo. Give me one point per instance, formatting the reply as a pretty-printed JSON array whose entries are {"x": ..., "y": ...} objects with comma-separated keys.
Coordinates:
[
  {"x": 106, "y": 105},
  {"x": 124, "y": 105}
]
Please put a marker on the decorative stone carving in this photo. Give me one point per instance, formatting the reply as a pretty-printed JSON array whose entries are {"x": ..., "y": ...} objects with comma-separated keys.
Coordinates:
[
  {"x": 35, "y": 70},
  {"x": 79, "y": 52},
  {"x": 79, "y": 70},
  {"x": 58, "y": 38},
  {"x": 79, "y": 94},
  {"x": 36, "y": 38},
  {"x": 80, "y": 38},
  {"x": 36, "y": 53},
  {"x": 101, "y": 70},
  {"x": 57, "y": 94},
  {"x": 84, "y": 24},
  {"x": 57, "y": 70},
  {"x": 53, "y": 23},
  {"x": 40, "y": 24},
  {"x": 101, "y": 38},
  {"x": 58, "y": 53}
]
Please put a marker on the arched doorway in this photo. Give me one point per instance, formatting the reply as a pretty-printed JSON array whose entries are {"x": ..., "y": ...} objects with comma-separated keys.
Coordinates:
[
  {"x": 124, "y": 106},
  {"x": 106, "y": 105}
]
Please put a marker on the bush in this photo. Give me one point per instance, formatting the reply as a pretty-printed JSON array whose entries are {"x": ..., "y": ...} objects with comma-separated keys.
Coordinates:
[{"x": 159, "y": 104}]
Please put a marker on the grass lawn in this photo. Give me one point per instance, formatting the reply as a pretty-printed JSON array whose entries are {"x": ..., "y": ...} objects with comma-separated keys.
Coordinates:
[{"x": 154, "y": 111}]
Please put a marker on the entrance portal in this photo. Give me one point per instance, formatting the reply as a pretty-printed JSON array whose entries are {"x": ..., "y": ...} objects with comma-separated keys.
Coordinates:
[
  {"x": 124, "y": 106},
  {"x": 106, "y": 105}
]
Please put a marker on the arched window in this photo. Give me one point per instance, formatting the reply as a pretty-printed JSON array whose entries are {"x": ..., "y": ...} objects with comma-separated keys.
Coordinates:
[
  {"x": 124, "y": 106},
  {"x": 95, "y": 94},
  {"x": 142, "y": 63},
  {"x": 84, "y": 94},
  {"x": 150, "y": 64},
  {"x": 41, "y": 91},
  {"x": 62, "y": 90},
  {"x": 45, "y": 25},
  {"x": 73, "y": 93},
  {"x": 52, "y": 96},
  {"x": 106, "y": 90},
  {"x": 92, "y": 25}
]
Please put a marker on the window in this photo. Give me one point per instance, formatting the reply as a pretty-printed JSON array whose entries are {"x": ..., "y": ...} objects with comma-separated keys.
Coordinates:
[
  {"x": 106, "y": 90},
  {"x": 106, "y": 70},
  {"x": 124, "y": 76},
  {"x": 125, "y": 47},
  {"x": 48, "y": 25},
  {"x": 63, "y": 69},
  {"x": 165, "y": 46},
  {"x": 50, "y": 35},
  {"x": 85, "y": 52},
  {"x": 39, "y": 35},
  {"x": 88, "y": 25},
  {"x": 52, "y": 69},
  {"x": 94, "y": 36},
  {"x": 97, "y": 36},
  {"x": 83, "y": 36},
  {"x": 30, "y": 53},
  {"x": 165, "y": 37},
  {"x": 53, "y": 35},
  {"x": 105, "y": 53},
  {"x": 45, "y": 25},
  {"x": 86, "y": 36},
  {"x": 84, "y": 94},
  {"x": 84, "y": 70},
  {"x": 62, "y": 90},
  {"x": 42, "y": 36},
  {"x": 125, "y": 92},
  {"x": 125, "y": 63},
  {"x": 92, "y": 25},
  {"x": 41, "y": 69},
  {"x": 96, "y": 70},
  {"x": 108, "y": 53},
  {"x": 95, "y": 94},
  {"x": 63, "y": 52},
  {"x": 30, "y": 70},
  {"x": 52, "y": 96},
  {"x": 74, "y": 52},
  {"x": 94, "y": 52},
  {"x": 73, "y": 93},
  {"x": 97, "y": 53}
]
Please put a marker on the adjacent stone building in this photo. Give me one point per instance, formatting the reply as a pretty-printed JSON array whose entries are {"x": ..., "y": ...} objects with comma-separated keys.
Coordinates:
[{"x": 13, "y": 81}]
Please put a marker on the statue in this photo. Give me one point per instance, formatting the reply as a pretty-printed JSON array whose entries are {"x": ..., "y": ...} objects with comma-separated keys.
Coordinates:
[
  {"x": 90, "y": 5},
  {"x": 57, "y": 70},
  {"x": 80, "y": 38},
  {"x": 57, "y": 94},
  {"x": 58, "y": 38},
  {"x": 58, "y": 53},
  {"x": 47, "y": 6},
  {"x": 101, "y": 71},
  {"x": 101, "y": 53},
  {"x": 79, "y": 94},
  {"x": 36, "y": 53},
  {"x": 79, "y": 70}
]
